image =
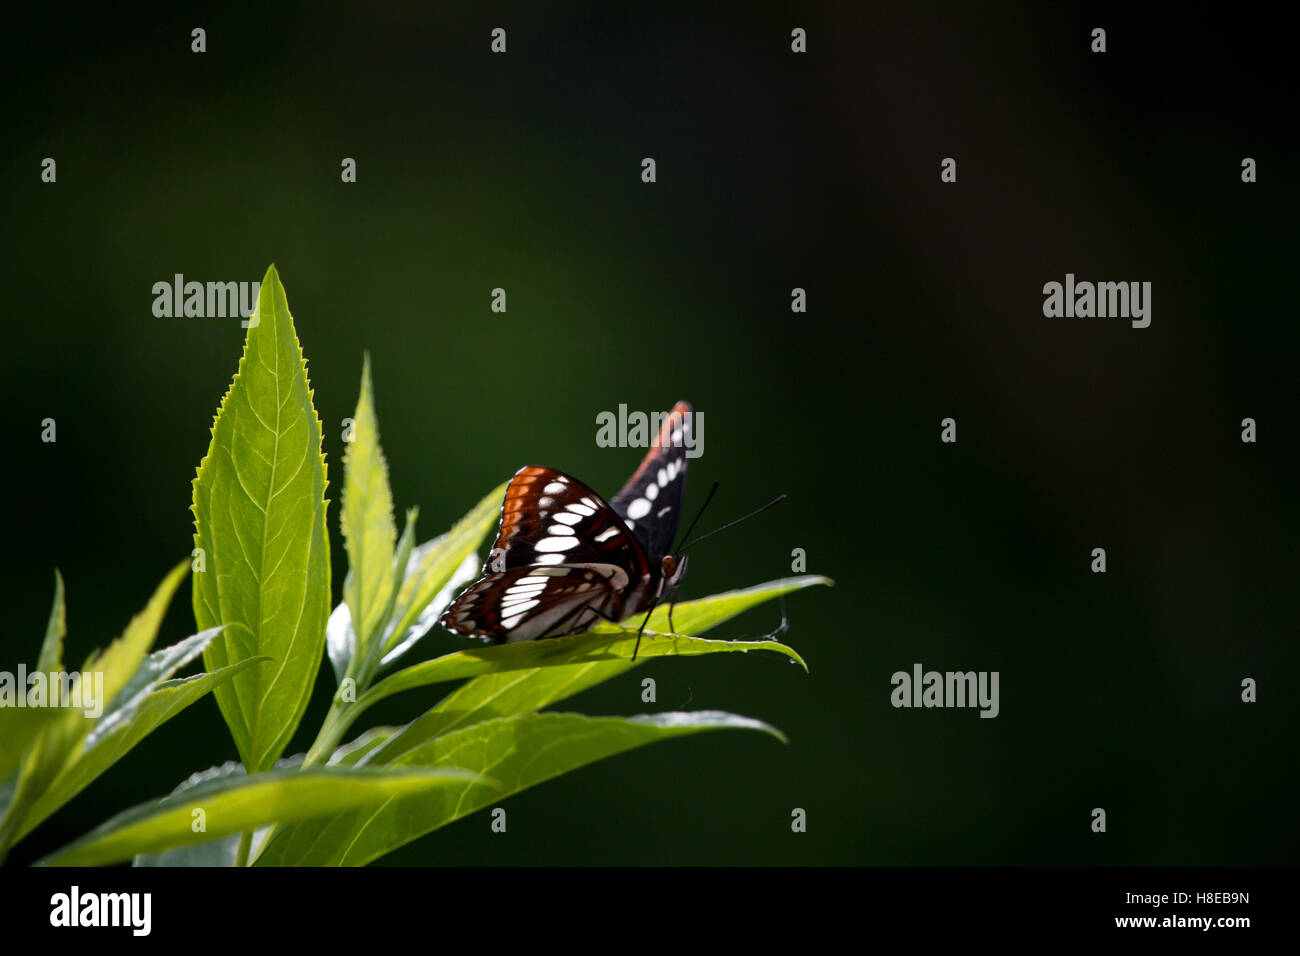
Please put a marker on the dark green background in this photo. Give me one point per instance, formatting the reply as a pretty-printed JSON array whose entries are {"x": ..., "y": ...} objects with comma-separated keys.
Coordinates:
[{"x": 775, "y": 171}]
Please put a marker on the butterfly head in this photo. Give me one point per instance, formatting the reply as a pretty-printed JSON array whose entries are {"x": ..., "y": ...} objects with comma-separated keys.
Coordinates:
[{"x": 672, "y": 567}]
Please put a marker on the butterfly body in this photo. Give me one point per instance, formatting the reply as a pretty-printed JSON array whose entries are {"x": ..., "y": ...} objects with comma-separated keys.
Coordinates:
[{"x": 565, "y": 559}]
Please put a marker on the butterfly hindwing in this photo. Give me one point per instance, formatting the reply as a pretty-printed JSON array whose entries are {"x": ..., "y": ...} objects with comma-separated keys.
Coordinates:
[
  {"x": 651, "y": 501},
  {"x": 531, "y": 602}
]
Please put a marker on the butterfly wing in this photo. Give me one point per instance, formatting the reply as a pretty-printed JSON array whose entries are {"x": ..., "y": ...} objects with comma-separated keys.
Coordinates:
[
  {"x": 544, "y": 600},
  {"x": 548, "y": 517},
  {"x": 562, "y": 560},
  {"x": 650, "y": 504}
]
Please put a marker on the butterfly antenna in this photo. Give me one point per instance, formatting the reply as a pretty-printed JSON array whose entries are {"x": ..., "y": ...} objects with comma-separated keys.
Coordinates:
[
  {"x": 731, "y": 524},
  {"x": 698, "y": 516},
  {"x": 644, "y": 621}
]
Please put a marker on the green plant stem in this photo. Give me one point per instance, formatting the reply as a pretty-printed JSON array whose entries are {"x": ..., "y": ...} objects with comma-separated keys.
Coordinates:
[
  {"x": 245, "y": 844},
  {"x": 335, "y": 725},
  {"x": 341, "y": 713}
]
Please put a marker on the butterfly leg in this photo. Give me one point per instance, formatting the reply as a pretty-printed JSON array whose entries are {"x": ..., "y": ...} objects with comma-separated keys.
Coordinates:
[
  {"x": 672, "y": 598},
  {"x": 627, "y": 630},
  {"x": 644, "y": 621},
  {"x": 615, "y": 621}
]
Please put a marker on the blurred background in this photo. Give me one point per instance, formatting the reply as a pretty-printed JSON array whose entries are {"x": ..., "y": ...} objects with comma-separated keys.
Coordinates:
[{"x": 775, "y": 171}]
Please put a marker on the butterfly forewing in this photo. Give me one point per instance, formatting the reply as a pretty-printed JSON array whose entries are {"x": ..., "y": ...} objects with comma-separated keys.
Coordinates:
[
  {"x": 651, "y": 501},
  {"x": 549, "y": 517}
]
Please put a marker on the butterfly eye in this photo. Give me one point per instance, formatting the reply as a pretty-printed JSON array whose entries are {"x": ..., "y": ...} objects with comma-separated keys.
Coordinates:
[{"x": 669, "y": 565}]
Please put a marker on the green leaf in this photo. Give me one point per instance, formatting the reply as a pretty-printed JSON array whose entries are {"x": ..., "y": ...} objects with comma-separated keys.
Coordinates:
[
  {"x": 61, "y": 730},
  {"x": 464, "y": 573},
  {"x": 116, "y": 665},
  {"x": 221, "y": 851},
  {"x": 56, "y": 630},
  {"x": 239, "y": 803},
  {"x": 519, "y": 752},
  {"x": 433, "y": 572},
  {"x": 163, "y": 702},
  {"x": 560, "y": 667},
  {"x": 155, "y": 669},
  {"x": 367, "y": 521},
  {"x": 351, "y": 754},
  {"x": 122, "y": 659},
  {"x": 340, "y": 638},
  {"x": 20, "y": 726},
  {"x": 573, "y": 649},
  {"x": 434, "y": 568},
  {"x": 509, "y": 693},
  {"x": 402, "y": 566},
  {"x": 210, "y": 853},
  {"x": 694, "y": 617},
  {"x": 259, "y": 510}
]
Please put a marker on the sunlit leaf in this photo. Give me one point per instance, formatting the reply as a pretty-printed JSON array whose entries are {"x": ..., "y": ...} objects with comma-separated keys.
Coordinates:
[
  {"x": 519, "y": 752},
  {"x": 163, "y": 702},
  {"x": 56, "y": 630},
  {"x": 234, "y": 804},
  {"x": 435, "y": 566},
  {"x": 259, "y": 507},
  {"x": 366, "y": 517},
  {"x": 528, "y": 675}
]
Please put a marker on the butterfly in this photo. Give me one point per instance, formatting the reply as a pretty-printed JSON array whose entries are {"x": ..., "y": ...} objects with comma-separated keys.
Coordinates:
[{"x": 565, "y": 559}]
